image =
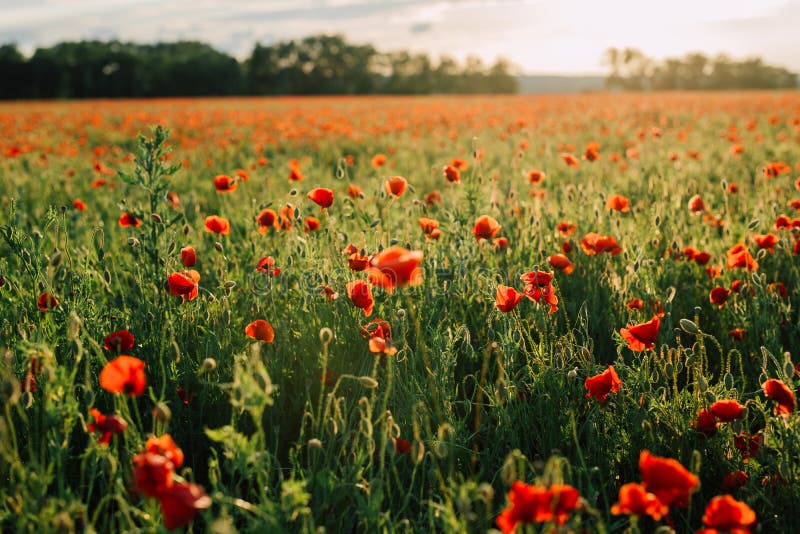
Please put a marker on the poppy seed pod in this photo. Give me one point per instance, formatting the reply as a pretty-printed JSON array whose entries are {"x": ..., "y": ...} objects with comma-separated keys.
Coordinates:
[{"x": 209, "y": 364}]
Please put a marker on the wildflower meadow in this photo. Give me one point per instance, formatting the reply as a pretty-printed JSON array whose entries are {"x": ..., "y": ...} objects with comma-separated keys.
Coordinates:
[{"x": 401, "y": 314}]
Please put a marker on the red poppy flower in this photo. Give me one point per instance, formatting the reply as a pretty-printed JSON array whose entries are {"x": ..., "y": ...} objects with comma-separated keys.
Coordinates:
[
  {"x": 119, "y": 341},
  {"x": 566, "y": 228},
  {"x": 696, "y": 204},
  {"x": 562, "y": 263},
  {"x": 217, "y": 225},
  {"x": 538, "y": 286},
  {"x": 705, "y": 423},
  {"x": 570, "y": 160},
  {"x": 618, "y": 203},
  {"x": 378, "y": 160},
  {"x": 452, "y": 174},
  {"x": 635, "y": 304},
  {"x": 295, "y": 174},
  {"x": 599, "y": 386},
  {"x": 535, "y": 177},
  {"x": 738, "y": 334},
  {"x": 459, "y": 164},
  {"x": 642, "y": 336},
  {"x": 260, "y": 330},
  {"x": 432, "y": 198},
  {"x": 165, "y": 446},
  {"x": 735, "y": 480},
  {"x": 777, "y": 168},
  {"x": 124, "y": 374},
  {"x": 379, "y": 334},
  {"x": 267, "y": 220},
  {"x": 353, "y": 191},
  {"x": 152, "y": 473},
  {"x": 267, "y": 265},
  {"x": 430, "y": 227},
  {"x": 766, "y": 241},
  {"x": 184, "y": 284},
  {"x": 667, "y": 479},
  {"x": 534, "y": 504},
  {"x": 107, "y": 425},
  {"x": 781, "y": 393},
  {"x": 507, "y": 298},
  {"x": 593, "y": 243},
  {"x": 79, "y": 205},
  {"x": 188, "y": 256},
  {"x": 634, "y": 499},
  {"x": 395, "y": 266},
  {"x": 727, "y": 410},
  {"x": 357, "y": 262},
  {"x": 719, "y": 296},
  {"x": 499, "y": 243},
  {"x": 180, "y": 503},
  {"x": 311, "y": 224},
  {"x": 322, "y": 197},
  {"x": 361, "y": 295},
  {"x": 726, "y": 514},
  {"x": 128, "y": 219},
  {"x": 401, "y": 446},
  {"x": 740, "y": 257},
  {"x": 749, "y": 445},
  {"x": 395, "y": 186},
  {"x": 225, "y": 184},
  {"x": 701, "y": 258},
  {"x": 486, "y": 227},
  {"x": 46, "y": 301}
]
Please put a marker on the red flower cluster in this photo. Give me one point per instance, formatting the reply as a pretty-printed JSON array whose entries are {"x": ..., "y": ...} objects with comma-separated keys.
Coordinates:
[
  {"x": 154, "y": 476},
  {"x": 535, "y": 504}
]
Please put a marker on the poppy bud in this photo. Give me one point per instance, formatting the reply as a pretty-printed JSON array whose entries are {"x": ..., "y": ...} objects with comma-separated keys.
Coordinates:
[
  {"x": 573, "y": 374},
  {"x": 133, "y": 242},
  {"x": 55, "y": 260},
  {"x": 702, "y": 385},
  {"x": 689, "y": 326},
  {"x": 728, "y": 381},
  {"x": 74, "y": 326},
  {"x": 293, "y": 192},
  {"x": 156, "y": 217},
  {"x": 314, "y": 444},
  {"x": 368, "y": 382},
  {"x": 209, "y": 364},
  {"x": 401, "y": 313},
  {"x": 710, "y": 397},
  {"x": 62, "y": 209},
  {"x": 37, "y": 235},
  {"x": 752, "y": 225},
  {"x": 230, "y": 284},
  {"x": 325, "y": 335},
  {"x": 161, "y": 412},
  {"x": 186, "y": 229},
  {"x": 217, "y": 246}
]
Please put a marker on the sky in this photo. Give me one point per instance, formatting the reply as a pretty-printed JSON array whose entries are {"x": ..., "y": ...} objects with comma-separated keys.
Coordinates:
[{"x": 538, "y": 36}]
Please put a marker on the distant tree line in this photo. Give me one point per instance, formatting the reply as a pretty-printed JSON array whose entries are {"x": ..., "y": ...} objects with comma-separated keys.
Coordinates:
[
  {"x": 320, "y": 64},
  {"x": 631, "y": 70}
]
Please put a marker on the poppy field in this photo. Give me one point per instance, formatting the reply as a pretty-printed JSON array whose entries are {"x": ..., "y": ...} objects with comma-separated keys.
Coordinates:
[{"x": 451, "y": 314}]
